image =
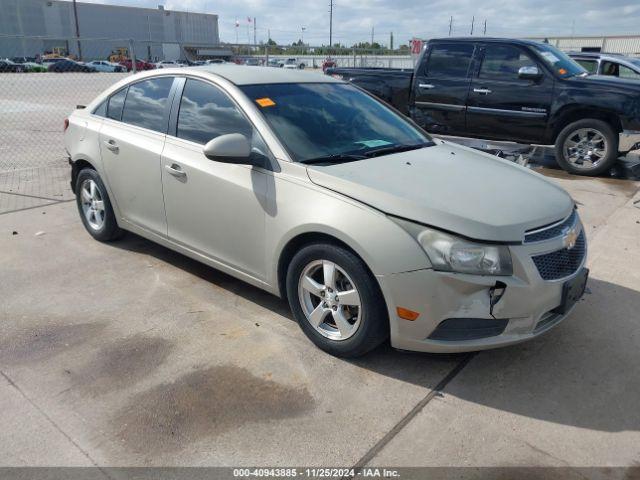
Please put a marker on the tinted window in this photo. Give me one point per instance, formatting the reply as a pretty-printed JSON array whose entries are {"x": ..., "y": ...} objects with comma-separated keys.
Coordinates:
[
  {"x": 626, "y": 72},
  {"x": 206, "y": 112},
  {"x": 146, "y": 103},
  {"x": 101, "y": 110},
  {"x": 450, "y": 60},
  {"x": 502, "y": 62},
  {"x": 590, "y": 66},
  {"x": 116, "y": 102},
  {"x": 319, "y": 119}
]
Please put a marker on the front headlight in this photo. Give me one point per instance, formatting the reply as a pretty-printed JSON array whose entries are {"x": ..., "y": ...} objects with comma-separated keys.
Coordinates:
[{"x": 455, "y": 254}]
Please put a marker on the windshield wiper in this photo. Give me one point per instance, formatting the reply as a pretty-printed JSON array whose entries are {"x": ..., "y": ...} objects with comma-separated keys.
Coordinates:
[
  {"x": 334, "y": 158},
  {"x": 376, "y": 152}
]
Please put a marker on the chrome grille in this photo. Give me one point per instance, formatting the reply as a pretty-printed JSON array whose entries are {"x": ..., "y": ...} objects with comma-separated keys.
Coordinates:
[
  {"x": 561, "y": 263},
  {"x": 552, "y": 231}
]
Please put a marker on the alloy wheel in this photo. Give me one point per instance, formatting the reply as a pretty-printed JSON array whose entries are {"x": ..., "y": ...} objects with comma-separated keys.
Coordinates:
[
  {"x": 92, "y": 204},
  {"x": 585, "y": 148},
  {"x": 329, "y": 300}
]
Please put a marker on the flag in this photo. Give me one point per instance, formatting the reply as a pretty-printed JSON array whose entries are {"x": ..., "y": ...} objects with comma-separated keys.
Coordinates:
[{"x": 249, "y": 19}]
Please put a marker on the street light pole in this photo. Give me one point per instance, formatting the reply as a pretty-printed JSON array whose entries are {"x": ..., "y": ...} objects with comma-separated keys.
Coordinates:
[
  {"x": 330, "y": 23},
  {"x": 75, "y": 15}
]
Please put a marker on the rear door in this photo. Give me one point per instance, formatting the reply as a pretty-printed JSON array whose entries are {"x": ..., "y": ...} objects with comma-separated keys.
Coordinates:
[
  {"x": 131, "y": 142},
  {"x": 441, "y": 86},
  {"x": 504, "y": 106}
]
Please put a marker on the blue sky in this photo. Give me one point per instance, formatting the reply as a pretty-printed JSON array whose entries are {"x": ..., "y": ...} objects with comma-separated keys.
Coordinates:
[{"x": 354, "y": 19}]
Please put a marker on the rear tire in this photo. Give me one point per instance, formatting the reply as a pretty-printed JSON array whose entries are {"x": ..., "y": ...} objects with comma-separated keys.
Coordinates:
[
  {"x": 95, "y": 207},
  {"x": 587, "y": 147},
  {"x": 336, "y": 301}
]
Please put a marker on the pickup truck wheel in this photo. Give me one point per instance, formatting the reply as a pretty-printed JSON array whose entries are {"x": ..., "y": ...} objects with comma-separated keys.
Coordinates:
[
  {"x": 336, "y": 301},
  {"x": 587, "y": 147}
]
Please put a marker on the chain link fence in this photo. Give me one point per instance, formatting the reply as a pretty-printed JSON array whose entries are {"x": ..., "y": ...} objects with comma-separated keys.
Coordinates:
[{"x": 43, "y": 79}]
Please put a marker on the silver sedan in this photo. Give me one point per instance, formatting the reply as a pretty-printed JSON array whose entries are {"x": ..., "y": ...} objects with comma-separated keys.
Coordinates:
[{"x": 311, "y": 189}]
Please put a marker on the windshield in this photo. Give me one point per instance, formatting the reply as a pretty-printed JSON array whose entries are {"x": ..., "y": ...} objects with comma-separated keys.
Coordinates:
[
  {"x": 315, "y": 120},
  {"x": 559, "y": 61}
]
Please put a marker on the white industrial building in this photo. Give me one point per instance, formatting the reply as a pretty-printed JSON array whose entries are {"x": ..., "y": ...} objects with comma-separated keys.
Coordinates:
[
  {"x": 623, "y": 44},
  {"x": 34, "y": 27}
]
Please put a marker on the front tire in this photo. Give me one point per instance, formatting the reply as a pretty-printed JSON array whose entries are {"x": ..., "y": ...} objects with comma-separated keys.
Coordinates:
[
  {"x": 95, "y": 207},
  {"x": 587, "y": 147},
  {"x": 336, "y": 301}
]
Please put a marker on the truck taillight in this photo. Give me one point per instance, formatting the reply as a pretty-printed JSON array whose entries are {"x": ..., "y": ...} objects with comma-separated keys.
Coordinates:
[{"x": 66, "y": 124}]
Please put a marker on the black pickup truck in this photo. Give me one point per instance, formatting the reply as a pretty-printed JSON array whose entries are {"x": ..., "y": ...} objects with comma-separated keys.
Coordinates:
[{"x": 514, "y": 90}]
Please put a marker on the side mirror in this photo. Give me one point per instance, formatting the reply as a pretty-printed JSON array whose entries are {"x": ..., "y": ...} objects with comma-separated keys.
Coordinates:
[
  {"x": 230, "y": 148},
  {"x": 529, "y": 73}
]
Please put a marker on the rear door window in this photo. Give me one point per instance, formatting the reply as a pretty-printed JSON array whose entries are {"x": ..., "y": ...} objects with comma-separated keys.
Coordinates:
[
  {"x": 146, "y": 104},
  {"x": 502, "y": 62},
  {"x": 116, "y": 103},
  {"x": 449, "y": 60}
]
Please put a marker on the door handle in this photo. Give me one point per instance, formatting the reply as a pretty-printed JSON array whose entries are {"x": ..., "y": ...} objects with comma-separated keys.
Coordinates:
[
  {"x": 482, "y": 91},
  {"x": 175, "y": 170},
  {"x": 427, "y": 86},
  {"x": 112, "y": 145}
]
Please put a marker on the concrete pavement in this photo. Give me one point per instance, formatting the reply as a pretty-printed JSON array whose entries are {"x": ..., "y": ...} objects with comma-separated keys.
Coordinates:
[{"x": 128, "y": 354}]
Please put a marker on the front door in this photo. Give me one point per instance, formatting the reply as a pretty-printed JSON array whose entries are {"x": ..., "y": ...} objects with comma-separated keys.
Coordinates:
[
  {"x": 216, "y": 209},
  {"x": 502, "y": 105},
  {"x": 441, "y": 87}
]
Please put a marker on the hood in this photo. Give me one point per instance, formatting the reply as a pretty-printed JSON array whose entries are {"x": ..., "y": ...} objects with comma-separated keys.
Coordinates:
[
  {"x": 453, "y": 188},
  {"x": 608, "y": 82}
]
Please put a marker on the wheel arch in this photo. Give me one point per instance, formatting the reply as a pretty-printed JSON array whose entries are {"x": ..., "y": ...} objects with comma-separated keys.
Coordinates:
[
  {"x": 303, "y": 239},
  {"x": 573, "y": 113},
  {"x": 76, "y": 167}
]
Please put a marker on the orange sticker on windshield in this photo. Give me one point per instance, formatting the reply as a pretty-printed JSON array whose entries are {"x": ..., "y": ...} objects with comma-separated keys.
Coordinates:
[
  {"x": 562, "y": 71},
  {"x": 265, "y": 102}
]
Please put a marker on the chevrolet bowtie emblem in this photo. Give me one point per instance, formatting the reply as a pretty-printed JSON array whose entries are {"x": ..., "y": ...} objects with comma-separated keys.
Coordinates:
[{"x": 570, "y": 237}]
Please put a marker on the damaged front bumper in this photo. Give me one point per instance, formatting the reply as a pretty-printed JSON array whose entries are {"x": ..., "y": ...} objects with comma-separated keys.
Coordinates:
[{"x": 462, "y": 312}]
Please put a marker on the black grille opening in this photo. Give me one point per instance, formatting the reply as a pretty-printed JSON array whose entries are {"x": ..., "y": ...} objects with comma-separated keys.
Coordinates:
[
  {"x": 551, "y": 232},
  {"x": 456, "y": 329},
  {"x": 561, "y": 263}
]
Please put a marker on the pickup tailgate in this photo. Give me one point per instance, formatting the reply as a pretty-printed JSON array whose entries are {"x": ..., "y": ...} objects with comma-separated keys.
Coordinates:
[{"x": 393, "y": 85}]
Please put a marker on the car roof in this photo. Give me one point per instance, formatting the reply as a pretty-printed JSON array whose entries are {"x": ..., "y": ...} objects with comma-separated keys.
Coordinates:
[
  {"x": 516, "y": 41},
  {"x": 243, "y": 75}
]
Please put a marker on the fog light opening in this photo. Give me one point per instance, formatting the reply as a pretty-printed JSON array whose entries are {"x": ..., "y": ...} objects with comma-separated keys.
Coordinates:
[{"x": 495, "y": 295}]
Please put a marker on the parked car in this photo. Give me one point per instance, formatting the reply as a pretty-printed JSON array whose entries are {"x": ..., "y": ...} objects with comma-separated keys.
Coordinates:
[
  {"x": 7, "y": 66},
  {"x": 513, "y": 90},
  {"x": 105, "y": 66},
  {"x": 66, "y": 65},
  {"x": 312, "y": 189},
  {"x": 275, "y": 62},
  {"x": 328, "y": 63},
  {"x": 140, "y": 65},
  {"x": 608, "y": 64},
  {"x": 216, "y": 61},
  {"x": 253, "y": 62},
  {"x": 24, "y": 60},
  {"x": 293, "y": 63},
  {"x": 169, "y": 64}
]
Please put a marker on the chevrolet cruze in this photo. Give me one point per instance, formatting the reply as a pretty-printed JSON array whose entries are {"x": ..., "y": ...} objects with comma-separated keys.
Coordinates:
[{"x": 309, "y": 188}]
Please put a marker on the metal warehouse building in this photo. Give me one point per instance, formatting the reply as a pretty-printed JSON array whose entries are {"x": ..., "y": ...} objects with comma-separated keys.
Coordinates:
[
  {"x": 624, "y": 44},
  {"x": 152, "y": 33}
]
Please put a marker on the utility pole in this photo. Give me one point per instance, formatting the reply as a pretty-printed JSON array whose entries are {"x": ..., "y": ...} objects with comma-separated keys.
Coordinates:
[
  {"x": 450, "y": 25},
  {"x": 75, "y": 15},
  {"x": 372, "y": 37},
  {"x": 255, "y": 42},
  {"x": 330, "y": 23},
  {"x": 473, "y": 20},
  {"x": 391, "y": 41},
  {"x": 484, "y": 30}
]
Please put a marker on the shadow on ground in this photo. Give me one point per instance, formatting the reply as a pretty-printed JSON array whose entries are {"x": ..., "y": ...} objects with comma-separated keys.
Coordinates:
[{"x": 584, "y": 373}]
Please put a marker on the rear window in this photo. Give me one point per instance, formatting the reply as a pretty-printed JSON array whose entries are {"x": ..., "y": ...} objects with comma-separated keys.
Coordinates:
[
  {"x": 116, "y": 102},
  {"x": 449, "y": 60}
]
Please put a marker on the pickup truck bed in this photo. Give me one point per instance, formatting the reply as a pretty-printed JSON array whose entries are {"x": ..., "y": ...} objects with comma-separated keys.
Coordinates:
[{"x": 393, "y": 85}]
